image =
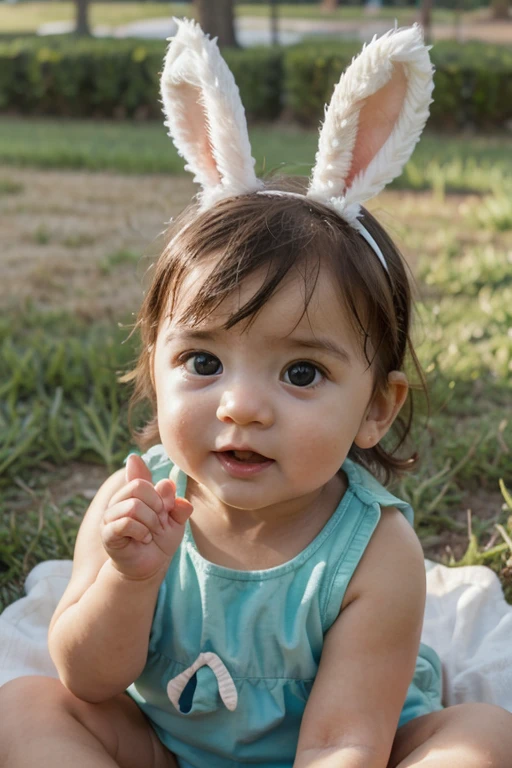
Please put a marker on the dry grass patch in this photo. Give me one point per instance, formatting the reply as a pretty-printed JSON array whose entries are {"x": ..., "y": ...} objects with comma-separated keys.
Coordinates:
[
  {"x": 65, "y": 234},
  {"x": 62, "y": 227}
]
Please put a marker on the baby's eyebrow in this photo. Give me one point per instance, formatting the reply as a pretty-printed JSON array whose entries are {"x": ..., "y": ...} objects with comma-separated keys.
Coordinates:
[
  {"x": 321, "y": 344},
  {"x": 318, "y": 343},
  {"x": 190, "y": 335}
]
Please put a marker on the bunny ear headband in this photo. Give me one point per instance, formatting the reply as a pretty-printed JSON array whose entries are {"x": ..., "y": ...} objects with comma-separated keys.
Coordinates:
[{"x": 377, "y": 113}]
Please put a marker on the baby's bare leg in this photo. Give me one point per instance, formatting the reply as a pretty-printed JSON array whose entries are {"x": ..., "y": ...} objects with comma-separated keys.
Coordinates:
[
  {"x": 44, "y": 725},
  {"x": 462, "y": 736}
]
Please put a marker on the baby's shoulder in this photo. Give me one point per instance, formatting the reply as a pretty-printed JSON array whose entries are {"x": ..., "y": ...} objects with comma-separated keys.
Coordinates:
[
  {"x": 393, "y": 559},
  {"x": 395, "y": 532}
]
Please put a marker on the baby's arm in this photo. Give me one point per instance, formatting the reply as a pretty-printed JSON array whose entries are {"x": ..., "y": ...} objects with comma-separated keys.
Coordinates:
[
  {"x": 369, "y": 656},
  {"x": 99, "y": 633}
]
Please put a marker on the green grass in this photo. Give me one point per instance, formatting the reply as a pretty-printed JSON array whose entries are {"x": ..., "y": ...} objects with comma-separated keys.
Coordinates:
[
  {"x": 59, "y": 397},
  {"x": 26, "y": 17},
  {"x": 44, "y": 531},
  {"x": 113, "y": 260},
  {"x": 60, "y": 401},
  {"x": 42, "y": 236},
  {"x": 10, "y": 187},
  {"x": 440, "y": 162}
]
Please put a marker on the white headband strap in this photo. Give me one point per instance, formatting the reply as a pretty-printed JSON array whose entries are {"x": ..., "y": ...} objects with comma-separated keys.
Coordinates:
[
  {"x": 373, "y": 245},
  {"x": 355, "y": 225}
]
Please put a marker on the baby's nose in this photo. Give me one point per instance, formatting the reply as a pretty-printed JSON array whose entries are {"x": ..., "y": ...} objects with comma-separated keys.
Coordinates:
[{"x": 246, "y": 404}]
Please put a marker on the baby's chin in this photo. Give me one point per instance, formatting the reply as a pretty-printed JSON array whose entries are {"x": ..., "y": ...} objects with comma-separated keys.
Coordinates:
[
  {"x": 205, "y": 489},
  {"x": 252, "y": 495},
  {"x": 254, "y": 500},
  {"x": 247, "y": 500}
]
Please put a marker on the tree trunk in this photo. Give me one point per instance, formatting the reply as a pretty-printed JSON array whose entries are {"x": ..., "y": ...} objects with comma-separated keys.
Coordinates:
[
  {"x": 217, "y": 18},
  {"x": 426, "y": 18},
  {"x": 329, "y": 5},
  {"x": 274, "y": 23},
  {"x": 499, "y": 9},
  {"x": 82, "y": 18}
]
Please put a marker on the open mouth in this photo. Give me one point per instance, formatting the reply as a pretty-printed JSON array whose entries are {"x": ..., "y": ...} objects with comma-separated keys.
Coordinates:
[
  {"x": 246, "y": 457},
  {"x": 243, "y": 464}
]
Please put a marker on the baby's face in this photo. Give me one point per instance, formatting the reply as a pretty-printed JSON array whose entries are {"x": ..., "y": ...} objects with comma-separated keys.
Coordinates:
[{"x": 264, "y": 415}]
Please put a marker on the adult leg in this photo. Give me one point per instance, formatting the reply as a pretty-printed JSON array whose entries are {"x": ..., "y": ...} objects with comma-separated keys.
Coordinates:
[
  {"x": 44, "y": 725},
  {"x": 461, "y": 736}
]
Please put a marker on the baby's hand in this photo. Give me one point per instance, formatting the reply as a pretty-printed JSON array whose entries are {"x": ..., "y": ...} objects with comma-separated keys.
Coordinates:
[{"x": 143, "y": 524}]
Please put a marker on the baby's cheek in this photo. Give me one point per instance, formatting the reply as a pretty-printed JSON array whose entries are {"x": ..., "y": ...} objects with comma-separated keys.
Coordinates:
[
  {"x": 320, "y": 454},
  {"x": 179, "y": 424}
]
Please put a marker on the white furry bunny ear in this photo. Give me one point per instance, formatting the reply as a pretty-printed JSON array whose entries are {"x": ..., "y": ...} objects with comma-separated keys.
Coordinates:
[
  {"x": 377, "y": 113},
  {"x": 205, "y": 116}
]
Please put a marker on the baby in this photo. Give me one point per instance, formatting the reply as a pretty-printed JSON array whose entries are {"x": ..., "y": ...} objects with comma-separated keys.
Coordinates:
[{"x": 247, "y": 591}]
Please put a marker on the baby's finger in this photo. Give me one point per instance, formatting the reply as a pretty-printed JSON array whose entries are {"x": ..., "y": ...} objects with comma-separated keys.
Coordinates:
[
  {"x": 166, "y": 489},
  {"x": 139, "y": 489},
  {"x": 117, "y": 534},
  {"x": 136, "y": 510},
  {"x": 182, "y": 510}
]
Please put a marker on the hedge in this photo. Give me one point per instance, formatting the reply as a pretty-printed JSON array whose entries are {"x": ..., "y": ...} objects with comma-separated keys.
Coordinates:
[
  {"x": 473, "y": 85},
  {"x": 119, "y": 78},
  {"x": 473, "y": 82},
  {"x": 116, "y": 78}
]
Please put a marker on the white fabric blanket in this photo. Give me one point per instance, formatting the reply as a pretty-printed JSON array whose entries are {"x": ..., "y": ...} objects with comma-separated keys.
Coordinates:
[{"x": 467, "y": 622}]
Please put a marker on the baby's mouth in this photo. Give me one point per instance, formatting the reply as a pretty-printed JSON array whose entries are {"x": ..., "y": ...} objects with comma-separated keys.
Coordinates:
[{"x": 247, "y": 457}]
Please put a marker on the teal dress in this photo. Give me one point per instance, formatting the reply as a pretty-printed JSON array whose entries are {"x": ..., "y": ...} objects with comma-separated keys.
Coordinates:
[{"x": 233, "y": 654}]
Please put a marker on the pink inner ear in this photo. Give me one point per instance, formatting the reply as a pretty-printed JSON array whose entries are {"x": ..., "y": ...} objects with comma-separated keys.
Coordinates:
[
  {"x": 377, "y": 119},
  {"x": 194, "y": 129}
]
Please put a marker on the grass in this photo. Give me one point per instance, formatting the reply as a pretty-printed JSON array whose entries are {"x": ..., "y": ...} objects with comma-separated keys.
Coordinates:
[
  {"x": 442, "y": 163},
  {"x": 42, "y": 236},
  {"x": 78, "y": 240},
  {"x": 26, "y": 17},
  {"x": 10, "y": 187},
  {"x": 60, "y": 399},
  {"x": 113, "y": 260},
  {"x": 61, "y": 403}
]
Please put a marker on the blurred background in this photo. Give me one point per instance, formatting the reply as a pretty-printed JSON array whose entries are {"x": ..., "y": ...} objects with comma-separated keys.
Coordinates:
[{"x": 88, "y": 180}]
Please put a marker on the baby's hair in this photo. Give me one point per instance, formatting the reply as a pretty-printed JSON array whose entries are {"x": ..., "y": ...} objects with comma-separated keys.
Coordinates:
[{"x": 274, "y": 235}]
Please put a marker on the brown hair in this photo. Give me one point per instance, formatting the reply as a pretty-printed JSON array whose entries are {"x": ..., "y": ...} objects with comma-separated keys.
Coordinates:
[{"x": 243, "y": 234}]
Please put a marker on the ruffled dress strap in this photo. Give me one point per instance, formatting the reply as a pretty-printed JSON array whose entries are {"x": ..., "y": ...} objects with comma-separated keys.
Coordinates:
[{"x": 348, "y": 545}]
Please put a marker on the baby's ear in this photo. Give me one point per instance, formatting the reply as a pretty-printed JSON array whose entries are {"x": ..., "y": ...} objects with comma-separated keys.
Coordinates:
[
  {"x": 376, "y": 116},
  {"x": 383, "y": 410},
  {"x": 205, "y": 115}
]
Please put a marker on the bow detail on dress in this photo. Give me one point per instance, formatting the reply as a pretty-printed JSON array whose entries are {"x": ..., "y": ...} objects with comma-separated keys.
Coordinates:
[{"x": 227, "y": 689}]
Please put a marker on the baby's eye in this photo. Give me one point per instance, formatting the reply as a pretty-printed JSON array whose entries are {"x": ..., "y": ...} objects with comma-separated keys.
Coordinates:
[
  {"x": 203, "y": 364},
  {"x": 303, "y": 374}
]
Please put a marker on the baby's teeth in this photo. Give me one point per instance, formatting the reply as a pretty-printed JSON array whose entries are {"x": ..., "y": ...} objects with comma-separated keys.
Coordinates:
[{"x": 243, "y": 455}]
